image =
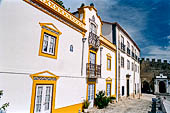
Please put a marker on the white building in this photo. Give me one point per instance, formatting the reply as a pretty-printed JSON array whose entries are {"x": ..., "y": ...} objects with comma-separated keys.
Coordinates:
[
  {"x": 128, "y": 54},
  {"x": 52, "y": 60}
]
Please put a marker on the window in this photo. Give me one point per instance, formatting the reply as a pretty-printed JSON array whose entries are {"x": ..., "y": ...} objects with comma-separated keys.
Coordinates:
[
  {"x": 128, "y": 64},
  {"x": 91, "y": 91},
  {"x": 128, "y": 44},
  {"x": 49, "y": 41},
  {"x": 108, "y": 89},
  {"x": 135, "y": 68},
  {"x": 109, "y": 62},
  {"x": 122, "y": 39},
  {"x": 132, "y": 66},
  {"x": 122, "y": 62},
  {"x": 108, "y": 86}
]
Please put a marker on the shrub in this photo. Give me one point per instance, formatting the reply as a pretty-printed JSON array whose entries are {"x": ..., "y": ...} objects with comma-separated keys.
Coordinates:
[
  {"x": 101, "y": 101},
  {"x": 4, "y": 106}
]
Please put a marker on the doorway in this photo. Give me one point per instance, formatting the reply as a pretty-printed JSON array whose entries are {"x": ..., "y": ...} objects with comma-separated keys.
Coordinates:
[
  {"x": 127, "y": 87},
  {"x": 162, "y": 87},
  {"x": 43, "y": 99}
]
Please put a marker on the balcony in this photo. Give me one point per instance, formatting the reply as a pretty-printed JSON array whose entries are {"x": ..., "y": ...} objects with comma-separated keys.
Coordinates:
[
  {"x": 122, "y": 47},
  {"x": 128, "y": 51},
  {"x": 133, "y": 55},
  {"x": 93, "y": 70},
  {"x": 93, "y": 40}
]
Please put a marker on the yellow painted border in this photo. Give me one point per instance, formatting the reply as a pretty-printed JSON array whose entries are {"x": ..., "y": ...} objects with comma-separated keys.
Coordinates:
[
  {"x": 51, "y": 33},
  {"x": 70, "y": 109},
  {"x": 105, "y": 42},
  {"x": 82, "y": 32},
  {"x": 109, "y": 81},
  {"x": 35, "y": 82},
  {"x": 89, "y": 55}
]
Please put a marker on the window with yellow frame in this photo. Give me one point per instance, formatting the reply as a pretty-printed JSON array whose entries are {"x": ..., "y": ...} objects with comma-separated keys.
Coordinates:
[
  {"x": 108, "y": 86},
  {"x": 49, "y": 40},
  {"x": 108, "y": 62}
]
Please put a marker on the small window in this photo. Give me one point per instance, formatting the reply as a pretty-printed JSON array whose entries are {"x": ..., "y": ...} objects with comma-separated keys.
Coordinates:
[
  {"x": 135, "y": 68},
  {"x": 49, "y": 41},
  {"x": 128, "y": 64},
  {"x": 132, "y": 66},
  {"x": 109, "y": 61},
  {"x": 122, "y": 62}
]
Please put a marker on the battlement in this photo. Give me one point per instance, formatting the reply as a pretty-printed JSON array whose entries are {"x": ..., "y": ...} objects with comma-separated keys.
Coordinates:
[{"x": 154, "y": 60}]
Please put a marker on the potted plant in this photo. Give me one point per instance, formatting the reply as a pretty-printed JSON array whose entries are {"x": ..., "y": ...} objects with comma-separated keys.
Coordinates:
[{"x": 86, "y": 104}]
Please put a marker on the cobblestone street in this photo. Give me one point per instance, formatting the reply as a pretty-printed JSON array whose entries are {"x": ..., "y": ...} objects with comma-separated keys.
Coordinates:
[{"x": 142, "y": 105}]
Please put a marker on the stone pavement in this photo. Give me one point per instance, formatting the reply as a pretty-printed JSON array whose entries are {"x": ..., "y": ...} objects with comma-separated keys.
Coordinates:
[{"x": 128, "y": 105}]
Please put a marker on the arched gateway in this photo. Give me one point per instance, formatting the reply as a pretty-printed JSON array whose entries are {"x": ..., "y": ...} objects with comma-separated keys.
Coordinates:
[{"x": 162, "y": 87}]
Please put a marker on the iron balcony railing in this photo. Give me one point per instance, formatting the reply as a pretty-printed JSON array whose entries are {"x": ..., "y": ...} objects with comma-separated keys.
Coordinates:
[
  {"x": 128, "y": 51},
  {"x": 93, "y": 70},
  {"x": 122, "y": 47},
  {"x": 93, "y": 40}
]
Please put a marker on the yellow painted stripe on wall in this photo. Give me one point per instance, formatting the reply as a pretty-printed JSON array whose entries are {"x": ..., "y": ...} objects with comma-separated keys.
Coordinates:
[{"x": 70, "y": 109}]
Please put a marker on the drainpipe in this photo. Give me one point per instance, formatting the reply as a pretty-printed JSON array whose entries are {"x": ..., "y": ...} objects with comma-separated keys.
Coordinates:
[
  {"x": 83, "y": 40},
  {"x": 101, "y": 48}
]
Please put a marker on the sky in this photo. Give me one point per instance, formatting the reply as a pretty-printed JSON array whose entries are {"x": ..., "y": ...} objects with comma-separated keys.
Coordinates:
[{"x": 146, "y": 21}]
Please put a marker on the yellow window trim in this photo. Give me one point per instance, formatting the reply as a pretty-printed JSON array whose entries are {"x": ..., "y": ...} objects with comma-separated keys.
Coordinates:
[
  {"x": 51, "y": 33},
  {"x": 35, "y": 82},
  {"x": 89, "y": 55},
  {"x": 70, "y": 109},
  {"x": 109, "y": 58},
  {"x": 94, "y": 89},
  {"x": 109, "y": 81}
]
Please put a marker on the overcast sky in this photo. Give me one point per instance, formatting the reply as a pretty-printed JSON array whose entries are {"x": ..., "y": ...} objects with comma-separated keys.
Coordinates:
[{"x": 146, "y": 21}]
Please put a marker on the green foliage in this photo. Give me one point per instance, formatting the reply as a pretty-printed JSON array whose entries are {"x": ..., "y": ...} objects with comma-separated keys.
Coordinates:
[
  {"x": 61, "y": 4},
  {"x": 101, "y": 101},
  {"x": 4, "y": 106},
  {"x": 86, "y": 104}
]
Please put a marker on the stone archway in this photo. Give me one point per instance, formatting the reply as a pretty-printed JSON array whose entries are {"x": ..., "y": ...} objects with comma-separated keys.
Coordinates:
[
  {"x": 162, "y": 87},
  {"x": 145, "y": 88}
]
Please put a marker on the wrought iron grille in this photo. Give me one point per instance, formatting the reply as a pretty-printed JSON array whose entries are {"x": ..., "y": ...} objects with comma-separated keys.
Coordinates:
[
  {"x": 93, "y": 40},
  {"x": 93, "y": 70}
]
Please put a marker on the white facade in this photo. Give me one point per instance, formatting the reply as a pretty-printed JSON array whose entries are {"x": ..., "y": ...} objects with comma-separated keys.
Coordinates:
[
  {"x": 115, "y": 33},
  {"x": 23, "y": 67}
]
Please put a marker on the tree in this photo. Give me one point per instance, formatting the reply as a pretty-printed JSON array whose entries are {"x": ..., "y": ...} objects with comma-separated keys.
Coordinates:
[
  {"x": 61, "y": 4},
  {"x": 4, "y": 106}
]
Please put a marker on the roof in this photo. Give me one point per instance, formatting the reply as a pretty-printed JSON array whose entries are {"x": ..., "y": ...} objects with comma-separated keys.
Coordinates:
[{"x": 121, "y": 28}]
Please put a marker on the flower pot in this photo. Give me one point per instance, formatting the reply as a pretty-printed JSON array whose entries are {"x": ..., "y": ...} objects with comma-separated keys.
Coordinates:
[{"x": 85, "y": 110}]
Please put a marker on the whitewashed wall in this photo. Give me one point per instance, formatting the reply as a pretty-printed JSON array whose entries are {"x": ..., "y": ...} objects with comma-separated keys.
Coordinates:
[{"x": 20, "y": 39}]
